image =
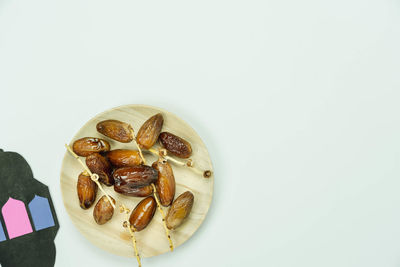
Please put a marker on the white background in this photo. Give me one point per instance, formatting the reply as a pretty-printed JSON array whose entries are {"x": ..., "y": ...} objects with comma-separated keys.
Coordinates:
[{"x": 297, "y": 101}]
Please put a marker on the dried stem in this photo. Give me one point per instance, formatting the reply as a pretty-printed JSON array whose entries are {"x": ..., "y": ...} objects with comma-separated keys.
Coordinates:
[
  {"x": 189, "y": 163},
  {"x": 171, "y": 245},
  {"x": 93, "y": 176},
  {"x": 127, "y": 224},
  {"x": 138, "y": 147},
  {"x": 140, "y": 151}
]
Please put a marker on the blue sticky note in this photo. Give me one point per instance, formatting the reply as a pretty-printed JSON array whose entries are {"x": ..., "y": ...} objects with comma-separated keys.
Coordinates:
[
  {"x": 41, "y": 213},
  {"x": 2, "y": 235}
]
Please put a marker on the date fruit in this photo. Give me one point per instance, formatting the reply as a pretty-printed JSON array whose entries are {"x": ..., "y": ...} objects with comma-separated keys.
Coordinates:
[
  {"x": 116, "y": 130},
  {"x": 180, "y": 209},
  {"x": 124, "y": 157},
  {"x": 133, "y": 191},
  {"x": 99, "y": 164},
  {"x": 142, "y": 214},
  {"x": 88, "y": 145},
  {"x": 135, "y": 176},
  {"x": 150, "y": 130},
  {"x": 103, "y": 211},
  {"x": 166, "y": 182},
  {"x": 175, "y": 145},
  {"x": 87, "y": 190}
]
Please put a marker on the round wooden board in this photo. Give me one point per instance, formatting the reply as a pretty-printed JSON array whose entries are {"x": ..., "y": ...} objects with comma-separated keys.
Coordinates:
[{"x": 151, "y": 241}]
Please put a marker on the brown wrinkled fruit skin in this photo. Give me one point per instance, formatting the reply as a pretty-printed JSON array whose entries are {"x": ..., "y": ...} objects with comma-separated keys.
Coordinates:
[
  {"x": 143, "y": 213},
  {"x": 103, "y": 211},
  {"x": 87, "y": 191},
  {"x": 179, "y": 210},
  {"x": 133, "y": 191},
  {"x": 135, "y": 176},
  {"x": 124, "y": 157},
  {"x": 99, "y": 164},
  {"x": 165, "y": 184},
  {"x": 175, "y": 145},
  {"x": 150, "y": 130},
  {"x": 116, "y": 130},
  {"x": 88, "y": 145}
]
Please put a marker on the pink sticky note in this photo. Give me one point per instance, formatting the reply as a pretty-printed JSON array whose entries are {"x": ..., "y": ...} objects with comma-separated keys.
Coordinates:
[{"x": 16, "y": 218}]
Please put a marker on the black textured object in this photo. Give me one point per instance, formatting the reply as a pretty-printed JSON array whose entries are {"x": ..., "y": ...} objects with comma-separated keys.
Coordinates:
[{"x": 36, "y": 248}]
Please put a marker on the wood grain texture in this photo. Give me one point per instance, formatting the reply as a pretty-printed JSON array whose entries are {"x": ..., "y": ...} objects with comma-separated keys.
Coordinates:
[{"x": 151, "y": 241}]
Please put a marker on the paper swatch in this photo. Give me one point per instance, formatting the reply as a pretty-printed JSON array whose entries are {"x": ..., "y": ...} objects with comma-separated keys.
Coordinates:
[
  {"x": 16, "y": 218},
  {"x": 41, "y": 213},
  {"x": 2, "y": 235}
]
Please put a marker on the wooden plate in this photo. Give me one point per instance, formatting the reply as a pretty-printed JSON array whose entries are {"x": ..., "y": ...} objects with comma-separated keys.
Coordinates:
[{"x": 151, "y": 241}]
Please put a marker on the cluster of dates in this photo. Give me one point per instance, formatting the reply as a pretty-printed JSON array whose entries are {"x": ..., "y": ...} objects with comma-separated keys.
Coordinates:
[{"x": 125, "y": 170}]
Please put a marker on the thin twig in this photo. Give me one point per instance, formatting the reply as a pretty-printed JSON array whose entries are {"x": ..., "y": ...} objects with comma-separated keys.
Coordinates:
[
  {"x": 189, "y": 163},
  {"x": 171, "y": 245},
  {"x": 138, "y": 147},
  {"x": 128, "y": 225},
  {"x": 93, "y": 176}
]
